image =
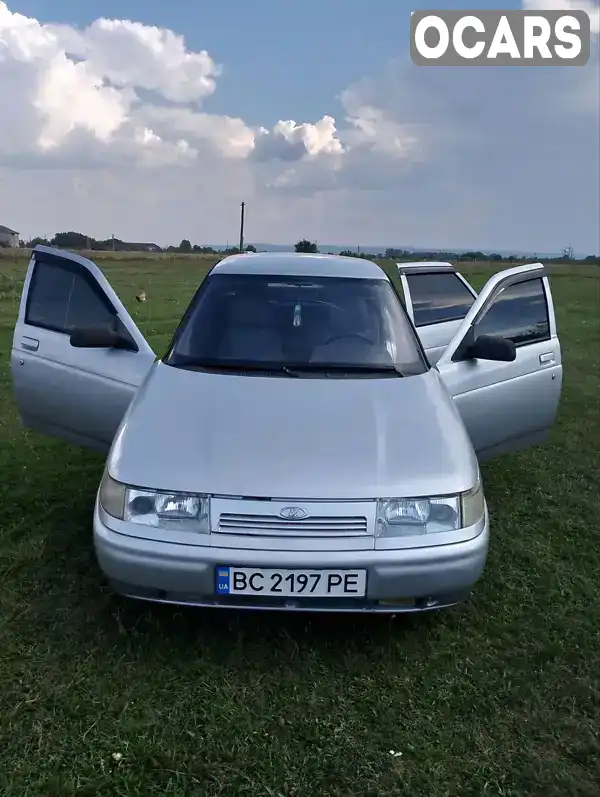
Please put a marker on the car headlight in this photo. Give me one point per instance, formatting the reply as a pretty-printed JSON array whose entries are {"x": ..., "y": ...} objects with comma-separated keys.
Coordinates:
[
  {"x": 410, "y": 516},
  {"x": 165, "y": 510}
]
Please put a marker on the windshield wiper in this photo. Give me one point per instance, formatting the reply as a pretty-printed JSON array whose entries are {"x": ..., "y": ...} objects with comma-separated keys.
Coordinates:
[
  {"x": 238, "y": 367},
  {"x": 290, "y": 369},
  {"x": 340, "y": 368}
]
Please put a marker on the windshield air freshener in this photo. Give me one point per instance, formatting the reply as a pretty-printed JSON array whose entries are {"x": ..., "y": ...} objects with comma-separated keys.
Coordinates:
[{"x": 297, "y": 315}]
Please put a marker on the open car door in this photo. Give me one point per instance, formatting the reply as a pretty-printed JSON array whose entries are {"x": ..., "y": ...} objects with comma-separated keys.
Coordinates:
[
  {"x": 437, "y": 298},
  {"x": 77, "y": 356},
  {"x": 503, "y": 366}
]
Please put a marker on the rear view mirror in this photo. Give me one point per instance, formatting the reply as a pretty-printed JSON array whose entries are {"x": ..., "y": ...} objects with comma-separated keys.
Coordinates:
[
  {"x": 101, "y": 337},
  {"x": 491, "y": 347}
]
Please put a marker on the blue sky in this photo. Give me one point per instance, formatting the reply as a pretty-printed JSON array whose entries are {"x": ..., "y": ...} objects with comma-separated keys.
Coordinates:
[{"x": 147, "y": 140}]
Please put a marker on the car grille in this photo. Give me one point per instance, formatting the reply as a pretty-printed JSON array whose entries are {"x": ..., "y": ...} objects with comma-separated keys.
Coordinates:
[{"x": 313, "y": 526}]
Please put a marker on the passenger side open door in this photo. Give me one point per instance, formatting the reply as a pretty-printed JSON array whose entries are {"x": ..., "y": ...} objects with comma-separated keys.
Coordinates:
[
  {"x": 77, "y": 357},
  {"x": 503, "y": 366}
]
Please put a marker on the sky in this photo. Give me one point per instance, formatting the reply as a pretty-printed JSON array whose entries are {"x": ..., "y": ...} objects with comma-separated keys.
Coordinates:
[{"x": 154, "y": 120}]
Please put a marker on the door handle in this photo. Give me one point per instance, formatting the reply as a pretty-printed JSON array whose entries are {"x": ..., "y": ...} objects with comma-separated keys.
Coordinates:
[
  {"x": 547, "y": 358},
  {"x": 31, "y": 344}
]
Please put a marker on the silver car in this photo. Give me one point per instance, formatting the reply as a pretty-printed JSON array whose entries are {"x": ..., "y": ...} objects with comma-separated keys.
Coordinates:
[{"x": 311, "y": 438}]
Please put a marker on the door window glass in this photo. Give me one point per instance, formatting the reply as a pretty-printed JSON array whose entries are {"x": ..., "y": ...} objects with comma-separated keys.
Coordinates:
[
  {"x": 519, "y": 313},
  {"x": 62, "y": 297},
  {"x": 438, "y": 297}
]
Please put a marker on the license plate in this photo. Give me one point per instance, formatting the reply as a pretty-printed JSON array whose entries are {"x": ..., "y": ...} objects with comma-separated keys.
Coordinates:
[{"x": 291, "y": 583}]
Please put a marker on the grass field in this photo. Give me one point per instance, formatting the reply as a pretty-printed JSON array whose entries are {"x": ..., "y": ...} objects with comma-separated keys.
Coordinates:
[{"x": 104, "y": 697}]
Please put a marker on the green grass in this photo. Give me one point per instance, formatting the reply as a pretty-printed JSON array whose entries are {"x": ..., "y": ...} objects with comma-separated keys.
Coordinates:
[{"x": 497, "y": 697}]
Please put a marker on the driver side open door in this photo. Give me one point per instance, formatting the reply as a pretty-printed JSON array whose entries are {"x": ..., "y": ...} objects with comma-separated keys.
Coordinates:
[
  {"x": 77, "y": 394},
  {"x": 507, "y": 405}
]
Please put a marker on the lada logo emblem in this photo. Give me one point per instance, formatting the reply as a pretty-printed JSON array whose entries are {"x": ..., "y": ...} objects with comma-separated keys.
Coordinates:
[{"x": 293, "y": 513}]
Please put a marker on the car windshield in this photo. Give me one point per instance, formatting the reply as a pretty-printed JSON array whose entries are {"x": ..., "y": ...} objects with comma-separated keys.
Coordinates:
[{"x": 276, "y": 323}]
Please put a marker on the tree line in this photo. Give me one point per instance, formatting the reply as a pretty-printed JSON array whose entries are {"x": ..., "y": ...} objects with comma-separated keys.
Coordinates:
[
  {"x": 400, "y": 255},
  {"x": 77, "y": 240}
]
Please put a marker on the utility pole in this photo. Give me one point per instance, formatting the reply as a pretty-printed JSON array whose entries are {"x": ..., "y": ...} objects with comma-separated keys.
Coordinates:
[
  {"x": 113, "y": 242},
  {"x": 242, "y": 228}
]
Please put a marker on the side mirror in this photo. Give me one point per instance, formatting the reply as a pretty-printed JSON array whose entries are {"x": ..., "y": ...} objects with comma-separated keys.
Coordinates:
[
  {"x": 101, "y": 337},
  {"x": 491, "y": 347}
]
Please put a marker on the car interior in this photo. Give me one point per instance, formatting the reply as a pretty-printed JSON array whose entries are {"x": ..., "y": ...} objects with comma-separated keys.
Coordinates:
[{"x": 254, "y": 326}]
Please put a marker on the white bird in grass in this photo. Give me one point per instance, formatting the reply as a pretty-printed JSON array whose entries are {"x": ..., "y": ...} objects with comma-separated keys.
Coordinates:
[{"x": 141, "y": 297}]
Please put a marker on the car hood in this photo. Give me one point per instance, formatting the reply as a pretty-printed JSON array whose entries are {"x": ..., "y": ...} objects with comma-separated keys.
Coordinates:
[{"x": 285, "y": 437}]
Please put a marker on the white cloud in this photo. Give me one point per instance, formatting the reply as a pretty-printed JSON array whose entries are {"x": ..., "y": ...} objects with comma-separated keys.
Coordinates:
[
  {"x": 228, "y": 135},
  {"x": 70, "y": 95},
  {"x": 290, "y": 141},
  {"x": 131, "y": 54},
  {"x": 374, "y": 129},
  {"x": 77, "y": 92},
  {"x": 53, "y": 94}
]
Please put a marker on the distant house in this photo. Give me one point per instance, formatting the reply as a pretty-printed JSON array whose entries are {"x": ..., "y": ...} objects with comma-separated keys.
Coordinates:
[
  {"x": 142, "y": 247},
  {"x": 8, "y": 237}
]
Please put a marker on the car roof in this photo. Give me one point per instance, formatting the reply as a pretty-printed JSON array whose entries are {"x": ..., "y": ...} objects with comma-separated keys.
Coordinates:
[{"x": 300, "y": 264}]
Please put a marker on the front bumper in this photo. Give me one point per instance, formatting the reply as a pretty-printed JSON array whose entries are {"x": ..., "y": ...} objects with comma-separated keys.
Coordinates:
[{"x": 406, "y": 580}]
